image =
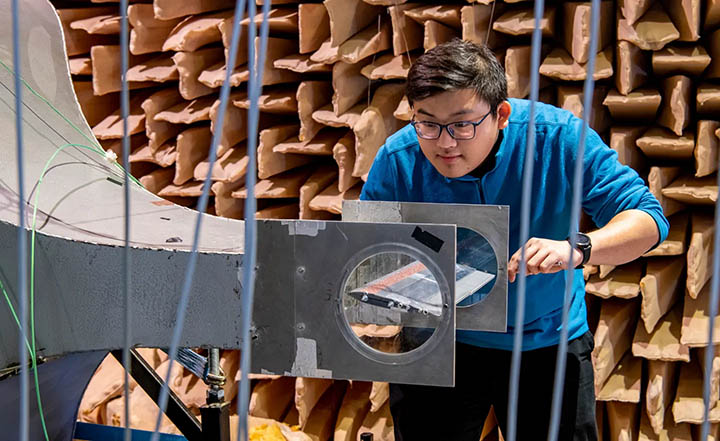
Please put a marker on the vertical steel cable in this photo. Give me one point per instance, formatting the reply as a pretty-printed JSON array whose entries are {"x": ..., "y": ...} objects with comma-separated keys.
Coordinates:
[
  {"x": 125, "y": 110},
  {"x": 201, "y": 208},
  {"x": 255, "y": 88},
  {"x": 22, "y": 235},
  {"x": 588, "y": 90},
  {"x": 528, "y": 172},
  {"x": 713, "y": 310}
]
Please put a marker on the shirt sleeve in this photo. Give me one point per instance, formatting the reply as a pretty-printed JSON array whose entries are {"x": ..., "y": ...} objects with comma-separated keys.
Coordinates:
[
  {"x": 609, "y": 187},
  {"x": 382, "y": 180}
]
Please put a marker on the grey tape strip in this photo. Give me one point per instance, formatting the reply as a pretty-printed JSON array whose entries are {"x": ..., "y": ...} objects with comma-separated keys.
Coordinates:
[
  {"x": 304, "y": 228},
  {"x": 305, "y": 364}
]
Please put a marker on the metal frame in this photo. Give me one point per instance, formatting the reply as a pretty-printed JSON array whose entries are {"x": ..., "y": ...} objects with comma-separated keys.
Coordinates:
[
  {"x": 304, "y": 273},
  {"x": 490, "y": 221},
  {"x": 152, "y": 384}
]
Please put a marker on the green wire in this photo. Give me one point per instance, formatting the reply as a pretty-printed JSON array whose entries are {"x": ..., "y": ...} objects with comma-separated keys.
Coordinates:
[
  {"x": 32, "y": 347},
  {"x": 12, "y": 310},
  {"x": 32, "y": 270},
  {"x": 76, "y": 128},
  {"x": 97, "y": 148}
]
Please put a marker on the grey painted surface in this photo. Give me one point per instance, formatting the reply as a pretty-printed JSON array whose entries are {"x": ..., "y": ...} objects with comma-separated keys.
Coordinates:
[{"x": 79, "y": 303}]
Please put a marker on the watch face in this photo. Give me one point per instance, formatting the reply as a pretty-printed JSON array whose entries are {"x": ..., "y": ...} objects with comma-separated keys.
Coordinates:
[{"x": 583, "y": 240}]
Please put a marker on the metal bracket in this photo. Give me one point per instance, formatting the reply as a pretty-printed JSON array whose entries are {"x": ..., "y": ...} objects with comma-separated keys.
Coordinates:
[{"x": 151, "y": 383}]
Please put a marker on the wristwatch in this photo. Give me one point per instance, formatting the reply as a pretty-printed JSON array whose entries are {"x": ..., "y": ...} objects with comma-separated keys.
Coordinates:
[{"x": 584, "y": 245}]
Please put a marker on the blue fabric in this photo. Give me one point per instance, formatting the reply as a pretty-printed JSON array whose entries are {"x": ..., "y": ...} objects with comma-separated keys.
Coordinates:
[{"x": 402, "y": 173}]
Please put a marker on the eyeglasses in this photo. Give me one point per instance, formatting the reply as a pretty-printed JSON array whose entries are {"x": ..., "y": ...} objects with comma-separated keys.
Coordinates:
[{"x": 458, "y": 129}]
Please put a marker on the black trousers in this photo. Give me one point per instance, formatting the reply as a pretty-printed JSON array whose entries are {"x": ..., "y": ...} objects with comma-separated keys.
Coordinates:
[{"x": 482, "y": 379}]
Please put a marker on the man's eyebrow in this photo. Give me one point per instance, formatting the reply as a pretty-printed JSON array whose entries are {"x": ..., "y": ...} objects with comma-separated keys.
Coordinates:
[
  {"x": 426, "y": 113},
  {"x": 458, "y": 113}
]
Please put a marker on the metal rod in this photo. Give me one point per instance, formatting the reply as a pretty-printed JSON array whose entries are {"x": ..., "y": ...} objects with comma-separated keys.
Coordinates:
[
  {"x": 152, "y": 384},
  {"x": 125, "y": 110},
  {"x": 528, "y": 170},
  {"x": 214, "y": 361},
  {"x": 202, "y": 206},
  {"x": 22, "y": 234},
  {"x": 588, "y": 90},
  {"x": 713, "y": 311},
  {"x": 255, "y": 88}
]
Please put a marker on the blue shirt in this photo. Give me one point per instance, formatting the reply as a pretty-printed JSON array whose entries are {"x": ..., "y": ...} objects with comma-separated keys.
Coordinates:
[{"x": 402, "y": 173}]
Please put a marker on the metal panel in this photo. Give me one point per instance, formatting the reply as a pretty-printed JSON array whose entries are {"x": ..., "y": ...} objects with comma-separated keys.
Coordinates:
[
  {"x": 78, "y": 305},
  {"x": 311, "y": 277},
  {"x": 62, "y": 383},
  {"x": 490, "y": 221}
]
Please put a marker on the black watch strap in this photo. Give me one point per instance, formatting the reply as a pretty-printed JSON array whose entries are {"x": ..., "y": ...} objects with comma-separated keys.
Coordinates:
[{"x": 584, "y": 245}]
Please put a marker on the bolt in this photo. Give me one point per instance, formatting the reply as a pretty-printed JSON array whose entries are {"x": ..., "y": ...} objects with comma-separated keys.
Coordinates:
[
  {"x": 301, "y": 270},
  {"x": 301, "y": 326}
]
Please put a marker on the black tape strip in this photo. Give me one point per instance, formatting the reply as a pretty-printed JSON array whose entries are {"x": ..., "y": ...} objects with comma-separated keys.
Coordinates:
[
  {"x": 114, "y": 181},
  {"x": 428, "y": 239}
]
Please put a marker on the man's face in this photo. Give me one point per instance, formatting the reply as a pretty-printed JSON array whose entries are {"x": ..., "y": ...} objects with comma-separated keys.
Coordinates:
[{"x": 457, "y": 157}]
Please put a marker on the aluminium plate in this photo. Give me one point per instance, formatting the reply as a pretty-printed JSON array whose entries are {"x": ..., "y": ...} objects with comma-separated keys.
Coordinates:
[{"x": 304, "y": 331}]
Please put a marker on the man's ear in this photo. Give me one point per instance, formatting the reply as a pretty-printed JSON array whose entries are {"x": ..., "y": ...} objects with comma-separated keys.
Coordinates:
[{"x": 503, "y": 113}]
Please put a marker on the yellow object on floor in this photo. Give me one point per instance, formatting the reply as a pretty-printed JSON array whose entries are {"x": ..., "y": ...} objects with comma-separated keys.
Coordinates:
[{"x": 266, "y": 432}]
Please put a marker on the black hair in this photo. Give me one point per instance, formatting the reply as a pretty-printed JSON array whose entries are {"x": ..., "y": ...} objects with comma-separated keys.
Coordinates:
[{"x": 457, "y": 65}]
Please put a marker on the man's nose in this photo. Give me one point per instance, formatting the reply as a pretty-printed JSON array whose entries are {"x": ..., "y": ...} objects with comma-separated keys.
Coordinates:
[{"x": 445, "y": 140}]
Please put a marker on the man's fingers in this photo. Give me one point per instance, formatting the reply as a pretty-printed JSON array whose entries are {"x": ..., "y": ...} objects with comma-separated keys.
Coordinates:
[
  {"x": 533, "y": 263},
  {"x": 541, "y": 256},
  {"x": 531, "y": 249},
  {"x": 512, "y": 269},
  {"x": 552, "y": 264}
]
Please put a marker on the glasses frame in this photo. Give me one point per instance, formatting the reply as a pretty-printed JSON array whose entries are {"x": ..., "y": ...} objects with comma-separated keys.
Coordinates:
[{"x": 448, "y": 129}]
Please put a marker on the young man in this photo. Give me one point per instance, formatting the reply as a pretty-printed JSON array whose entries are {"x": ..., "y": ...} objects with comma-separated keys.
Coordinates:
[{"x": 466, "y": 144}]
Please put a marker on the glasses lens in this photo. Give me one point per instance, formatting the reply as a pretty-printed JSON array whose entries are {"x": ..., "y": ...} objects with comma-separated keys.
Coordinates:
[
  {"x": 463, "y": 130},
  {"x": 427, "y": 130}
]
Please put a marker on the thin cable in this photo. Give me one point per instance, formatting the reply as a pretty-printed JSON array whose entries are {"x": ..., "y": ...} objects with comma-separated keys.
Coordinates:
[
  {"x": 32, "y": 275},
  {"x": 528, "y": 173},
  {"x": 255, "y": 89},
  {"x": 201, "y": 207},
  {"x": 406, "y": 52},
  {"x": 125, "y": 111},
  {"x": 713, "y": 311},
  {"x": 31, "y": 346},
  {"x": 24, "y": 423},
  {"x": 490, "y": 22},
  {"x": 372, "y": 64},
  {"x": 588, "y": 90},
  {"x": 92, "y": 141}
]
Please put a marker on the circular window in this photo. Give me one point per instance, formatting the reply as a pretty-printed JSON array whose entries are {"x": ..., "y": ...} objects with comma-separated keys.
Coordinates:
[
  {"x": 476, "y": 268},
  {"x": 392, "y": 302}
]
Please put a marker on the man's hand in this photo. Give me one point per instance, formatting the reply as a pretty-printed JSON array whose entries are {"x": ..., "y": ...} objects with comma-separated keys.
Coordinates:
[{"x": 544, "y": 256}]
